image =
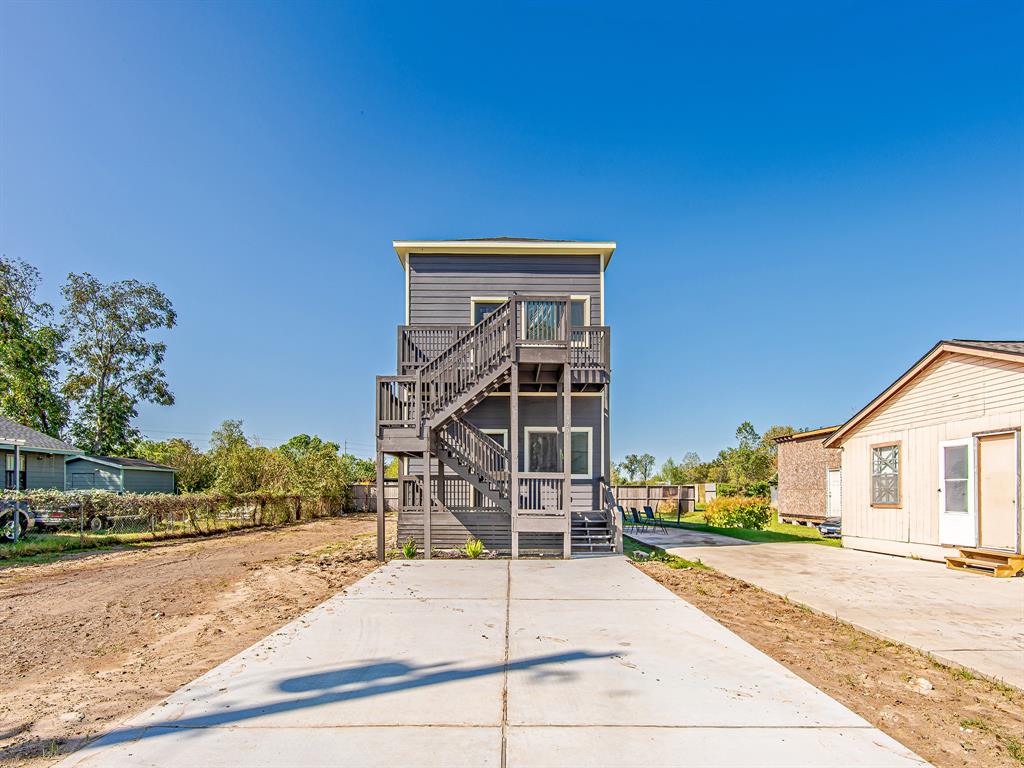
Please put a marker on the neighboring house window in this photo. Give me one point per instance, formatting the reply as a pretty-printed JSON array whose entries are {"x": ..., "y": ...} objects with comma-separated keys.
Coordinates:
[
  {"x": 885, "y": 475},
  {"x": 9, "y": 474},
  {"x": 543, "y": 451}
]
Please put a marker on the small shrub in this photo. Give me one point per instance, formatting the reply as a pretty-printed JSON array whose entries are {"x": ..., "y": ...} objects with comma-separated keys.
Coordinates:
[
  {"x": 474, "y": 547},
  {"x": 409, "y": 549},
  {"x": 753, "y": 512}
]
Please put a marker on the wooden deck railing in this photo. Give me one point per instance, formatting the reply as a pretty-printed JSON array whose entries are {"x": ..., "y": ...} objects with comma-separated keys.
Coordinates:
[
  {"x": 478, "y": 453},
  {"x": 541, "y": 493},
  {"x": 473, "y": 355},
  {"x": 397, "y": 401},
  {"x": 420, "y": 344},
  {"x": 590, "y": 348}
]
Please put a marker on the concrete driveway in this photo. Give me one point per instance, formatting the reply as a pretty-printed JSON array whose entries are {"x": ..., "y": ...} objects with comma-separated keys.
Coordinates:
[
  {"x": 529, "y": 663},
  {"x": 962, "y": 619}
]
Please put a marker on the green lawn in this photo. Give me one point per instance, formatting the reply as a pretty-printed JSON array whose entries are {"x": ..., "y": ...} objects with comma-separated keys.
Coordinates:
[{"x": 775, "y": 532}]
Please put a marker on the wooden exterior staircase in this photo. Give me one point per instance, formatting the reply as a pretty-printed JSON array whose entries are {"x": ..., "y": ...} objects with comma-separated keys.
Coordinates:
[{"x": 988, "y": 562}]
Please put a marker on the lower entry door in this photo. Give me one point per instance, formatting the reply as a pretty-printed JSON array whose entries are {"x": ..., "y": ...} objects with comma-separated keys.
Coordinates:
[
  {"x": 998, "y": 509},
  {"x": 958, "y": 519}
]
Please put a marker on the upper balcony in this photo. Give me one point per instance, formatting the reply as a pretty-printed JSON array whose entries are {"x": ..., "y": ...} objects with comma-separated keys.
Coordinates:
[{"x": 541, "y": 334}]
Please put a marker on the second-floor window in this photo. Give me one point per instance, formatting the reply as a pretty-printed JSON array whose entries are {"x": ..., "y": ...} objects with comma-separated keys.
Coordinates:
[
  {"x": 578, "y": 312},
  {"x": 482, "y": 309}
]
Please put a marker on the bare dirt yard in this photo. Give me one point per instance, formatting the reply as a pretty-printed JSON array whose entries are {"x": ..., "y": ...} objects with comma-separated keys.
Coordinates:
[
  {"x": 89, "y": 640},
  {"x": 947, "y": 716}
]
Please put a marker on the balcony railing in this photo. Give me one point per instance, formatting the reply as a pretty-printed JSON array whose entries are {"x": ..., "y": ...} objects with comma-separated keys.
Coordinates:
[{"x": 540, "y": 493}]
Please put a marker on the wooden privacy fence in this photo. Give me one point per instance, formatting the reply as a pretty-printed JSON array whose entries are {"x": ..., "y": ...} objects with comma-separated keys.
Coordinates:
[
  {"x": 666, "y": 499},
  {"x": 364, "y": 496}
]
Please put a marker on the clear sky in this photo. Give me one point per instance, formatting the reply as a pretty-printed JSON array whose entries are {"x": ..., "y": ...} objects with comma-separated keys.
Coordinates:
[{"x": 806, "y": 196}]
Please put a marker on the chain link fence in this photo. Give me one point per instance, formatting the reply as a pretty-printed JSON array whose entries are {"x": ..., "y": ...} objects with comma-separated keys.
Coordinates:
[{"x": 130, "y": 517}]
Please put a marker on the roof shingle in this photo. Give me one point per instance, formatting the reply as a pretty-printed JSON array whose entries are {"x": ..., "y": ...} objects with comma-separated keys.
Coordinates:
[{"x": 12, "y": 430}]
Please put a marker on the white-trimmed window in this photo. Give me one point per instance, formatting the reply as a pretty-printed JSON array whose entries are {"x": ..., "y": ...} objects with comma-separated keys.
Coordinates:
[
  {"x": 543, "y": 451},
  {"x": 885, "y": 475},
  {"x": 481, "y": 306},
  {"x": 500, "y": 436},
  {"x": 579, "y": 311}
]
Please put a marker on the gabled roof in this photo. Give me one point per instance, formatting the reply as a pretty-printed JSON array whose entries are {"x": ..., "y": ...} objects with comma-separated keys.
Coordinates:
[
  {"x": 823, "y": 432},
  {"x": 31, "y": 439},
  {"x": 507, "y": 245},
  {"x": 994, "y": 350},
  {"x": 126, "y": 462}
]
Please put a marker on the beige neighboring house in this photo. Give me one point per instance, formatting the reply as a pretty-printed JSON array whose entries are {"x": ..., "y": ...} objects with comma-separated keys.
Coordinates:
[
  {"x": 933, "y": 463},
  {"x": 810, "y": 486}
]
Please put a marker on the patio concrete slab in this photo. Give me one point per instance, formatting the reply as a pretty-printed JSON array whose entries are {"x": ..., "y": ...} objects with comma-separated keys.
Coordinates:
[
  {"x": 959, "y": 618},
  {"x": 582, "y": 662}
]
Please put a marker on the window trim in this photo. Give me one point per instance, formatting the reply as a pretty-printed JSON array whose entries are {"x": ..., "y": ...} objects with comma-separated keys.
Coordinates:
[
  {"x": 590, "y": 448},
  {"x": 503, "y": 432},
  {"x": 474, "y": 300},
  {"x": 899, "y": 475},
  {"x": 585, "y": 298}
]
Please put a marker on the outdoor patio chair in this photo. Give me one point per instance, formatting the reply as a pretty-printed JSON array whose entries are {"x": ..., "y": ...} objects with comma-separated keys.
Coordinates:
[
  {"x": 653, "y": 519},
  {"x": 638, "y": 522}
]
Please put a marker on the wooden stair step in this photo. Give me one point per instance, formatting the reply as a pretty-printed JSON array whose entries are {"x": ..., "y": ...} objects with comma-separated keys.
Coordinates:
[
  {"x": 974, "y": 565},
  {"x": 1005, "y": 558}
]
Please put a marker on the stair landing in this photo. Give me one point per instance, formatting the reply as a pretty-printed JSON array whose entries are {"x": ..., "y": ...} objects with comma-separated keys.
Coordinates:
[{"x": 988, "y": 562}]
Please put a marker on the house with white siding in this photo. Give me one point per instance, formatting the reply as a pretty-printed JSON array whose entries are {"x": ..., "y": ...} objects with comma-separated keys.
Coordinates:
[{"x": 931, "y": 467}]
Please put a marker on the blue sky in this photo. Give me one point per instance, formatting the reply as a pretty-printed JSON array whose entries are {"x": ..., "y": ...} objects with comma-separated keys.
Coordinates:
[{"x": 806, "y": 196}]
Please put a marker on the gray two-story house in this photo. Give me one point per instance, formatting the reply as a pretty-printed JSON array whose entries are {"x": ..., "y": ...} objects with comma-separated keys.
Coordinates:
[{"x": 498, "y": 411}]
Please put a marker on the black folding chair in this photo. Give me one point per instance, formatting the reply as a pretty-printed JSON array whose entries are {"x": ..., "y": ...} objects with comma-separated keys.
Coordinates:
[
  {"x": 653, "y": 519},
  {"x": 622, "y": 512},
  {"x": 638, "y": 522}
]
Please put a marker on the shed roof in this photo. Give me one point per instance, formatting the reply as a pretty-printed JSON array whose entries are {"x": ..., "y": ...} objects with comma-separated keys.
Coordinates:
[
  {"x": 997, "y": 350},
  {"x": 127, "y": 462},
  {"x": 31, "y": 439},
  {"x": 822, "y": 432},
  {"x": 507, "y": 245}
]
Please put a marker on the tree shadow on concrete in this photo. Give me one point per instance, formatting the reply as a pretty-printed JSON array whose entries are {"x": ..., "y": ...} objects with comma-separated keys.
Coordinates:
[{"x": 347, "y": 684}]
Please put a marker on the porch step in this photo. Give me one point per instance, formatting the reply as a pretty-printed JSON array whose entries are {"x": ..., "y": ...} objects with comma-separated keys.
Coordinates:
[
  {"x": 591, "y": 533},
  {"x": 1001, "y": 565}
]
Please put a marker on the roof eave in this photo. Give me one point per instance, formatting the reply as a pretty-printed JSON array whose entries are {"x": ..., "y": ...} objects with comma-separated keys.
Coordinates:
[
  {"x": 605, "y": 249},
  {"x": 909, "y": 375}
]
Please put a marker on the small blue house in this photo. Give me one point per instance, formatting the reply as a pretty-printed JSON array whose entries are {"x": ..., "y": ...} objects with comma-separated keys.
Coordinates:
[
  {"x": 40, "y": 458},
  {"x": 117, "y": 474}
]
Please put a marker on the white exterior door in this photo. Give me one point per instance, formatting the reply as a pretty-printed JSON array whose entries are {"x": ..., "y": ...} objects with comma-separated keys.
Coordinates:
[
  {"x": 834, "y": 498},
  {"x": 958, "y": 517}
]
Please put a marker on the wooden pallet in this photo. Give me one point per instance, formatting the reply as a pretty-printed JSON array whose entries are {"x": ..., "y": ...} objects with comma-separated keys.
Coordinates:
[{"x": 1001, "y": 565}]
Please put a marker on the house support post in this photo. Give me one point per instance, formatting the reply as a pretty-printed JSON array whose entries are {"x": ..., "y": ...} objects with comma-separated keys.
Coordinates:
[
  {"x": 425, "y": 498},
  {"x": 513, "y": 423},
  {"x": 606, "y": 467},
  {"x": 380, "y": 506},
  {"x": 567, "y": 458}
]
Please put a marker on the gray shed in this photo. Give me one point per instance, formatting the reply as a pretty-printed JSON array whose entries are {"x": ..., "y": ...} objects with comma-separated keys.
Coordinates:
[{"x": 117, "y": 474}]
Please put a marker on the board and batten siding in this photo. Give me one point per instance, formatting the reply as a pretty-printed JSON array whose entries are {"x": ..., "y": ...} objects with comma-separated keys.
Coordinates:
[
  {"x": 956, "y": 397},
  {"x": 441, "y": 286}
]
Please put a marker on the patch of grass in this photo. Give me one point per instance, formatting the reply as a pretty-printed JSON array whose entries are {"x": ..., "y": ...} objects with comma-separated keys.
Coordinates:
[
  {"x": 961, "y": 673},
  {"x": 642, "y": 553},
  {"x": 1011, "y": 744},
  {"x": 775, "y": 532}
]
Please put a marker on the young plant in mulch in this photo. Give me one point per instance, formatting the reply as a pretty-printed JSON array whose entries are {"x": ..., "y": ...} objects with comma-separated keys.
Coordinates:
[
  {"x": 474, "y": 548},
  {"x": 409, "y": 549}
]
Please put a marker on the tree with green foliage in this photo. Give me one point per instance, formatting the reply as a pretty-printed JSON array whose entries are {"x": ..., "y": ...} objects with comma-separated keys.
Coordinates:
[
  {"x": 242, "y": 467},
  {"x": 196, "y": 471},
  {"x": 638, "y": 467},
  {"x": 391, "y": 468},
  {"x": 113, "y": 363},
  {"x": 30, "y": 352}
]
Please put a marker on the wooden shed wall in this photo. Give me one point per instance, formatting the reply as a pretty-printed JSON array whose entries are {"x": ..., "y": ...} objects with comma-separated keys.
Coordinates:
[{"x": 956, "y": 397}]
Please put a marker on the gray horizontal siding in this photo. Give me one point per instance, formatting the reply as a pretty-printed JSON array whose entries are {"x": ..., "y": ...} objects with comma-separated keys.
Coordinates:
[
  {"x": 103, "y": 478},
  {"x": 146, "y": 481},
  {"x": 440, "y": 286},
  {"x": 45, "y": 471}
]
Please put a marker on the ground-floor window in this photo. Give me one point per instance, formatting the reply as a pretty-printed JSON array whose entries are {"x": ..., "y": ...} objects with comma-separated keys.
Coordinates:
[
  {"x": 885, "y": 475},
  {"x": 543, "y": 451}
]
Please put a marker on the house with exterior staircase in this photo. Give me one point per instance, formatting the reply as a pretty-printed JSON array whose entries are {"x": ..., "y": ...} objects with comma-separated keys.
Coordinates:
[{"x": 498, "y": 409}]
